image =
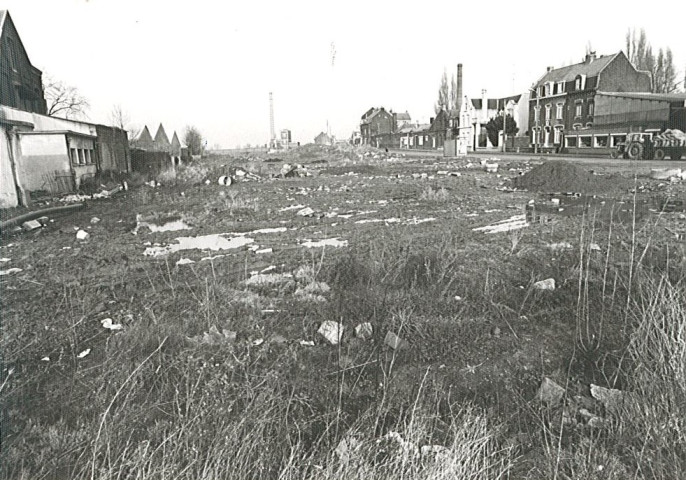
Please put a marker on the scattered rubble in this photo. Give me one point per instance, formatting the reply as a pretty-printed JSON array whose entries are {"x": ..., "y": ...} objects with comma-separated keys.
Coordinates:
[
  {"x": 364, "y": 331},
  {"x": 82, "y": 235},
  {"x": 393, "y": 341},
  {"x": 84, "y": 353},
  {"x": 326, "y": 242},
  {"x": 107, "y": 323},
  {"x": 612, "y": 399},
  {"x": 212, "y": 242},
  {"x": 10, "y": 271},
  {"x": 513, "y": 223},
  {"x": 31, "y": 225}
]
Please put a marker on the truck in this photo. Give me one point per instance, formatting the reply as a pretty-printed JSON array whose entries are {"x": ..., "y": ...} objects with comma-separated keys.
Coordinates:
[{"x": 647, "y": 146}]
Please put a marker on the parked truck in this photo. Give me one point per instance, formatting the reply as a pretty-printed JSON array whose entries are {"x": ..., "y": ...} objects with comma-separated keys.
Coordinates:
[{"x": 646, "y": 146}]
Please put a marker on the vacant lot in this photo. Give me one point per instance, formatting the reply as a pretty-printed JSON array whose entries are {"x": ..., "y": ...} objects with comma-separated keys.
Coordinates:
[{"x": 185, "y": 336}]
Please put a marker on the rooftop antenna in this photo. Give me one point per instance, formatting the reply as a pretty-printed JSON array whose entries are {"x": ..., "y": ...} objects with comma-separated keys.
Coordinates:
[{"x": 272, "y": 134}]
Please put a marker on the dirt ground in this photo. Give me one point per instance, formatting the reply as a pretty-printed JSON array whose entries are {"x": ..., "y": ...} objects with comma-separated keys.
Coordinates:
[{"x": 469, "y": 313}]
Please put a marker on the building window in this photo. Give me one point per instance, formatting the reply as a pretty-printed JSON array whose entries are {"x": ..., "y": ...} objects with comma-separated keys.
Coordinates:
[
  {"x": 577, "y": 111},
  {"x": 81, "y": 159},
  {"x": 548, "y": 89},
  {"x": 558, "y": 111},
  {"x": 420, "y": 140},
  {"x": 560, "y": 87},
  {"x": 537, "y": 113},
  {"x": 617, "y": 139},
  {"x": 601, "y": 141},
  {"x": 557, "y": 135},
  {"x": 541, "y": 91},
  {"x": 570, "y": 142},
  {"x": 74, "y": 156},
  {"x": 585, "y": 141},
  {"x": 547, "y": 112},
  {"x": 591, "y": 108}
]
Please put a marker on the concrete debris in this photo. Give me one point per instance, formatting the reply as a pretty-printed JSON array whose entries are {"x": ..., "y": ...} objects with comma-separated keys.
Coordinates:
[
  {"x": 513, "y": 223},
  {"x": 262, "y": 251},
  {"x": 184, "y": 261},
  {"x": 594, "y": 247},
  {"x": 95, "y": 220},
  {"x": 364, "y": 331},
  {"x": 393, "y": 341},
  {"x": 547, "y": 284},
  {"x": 225, "y": 180},
  {"x": 611, "y": 398},
  {"x": 258, "y": 342},
  {"x": 550, "y": 392},
  {"x": 82, "y": 235},
  {"x": 305, "y": 212},
  {"x": 491, "y": 167},
  {"x": 84, "y": 353},
  {"x": 107, "y": 323},
  {"x": 665, "y": 173},
  {"x": 214, "y": 337},
  {"x": 204, "y": 242},
  {"x": 331, "y": 331},
  {"x": 307, "y": 343},
  {"x": 560, "y": 246},
  {"x": 10, "y": 271},
  {"x": 31, "y": 225},
  {"x": 327, "y": 242},
  {"x": 5, "y": 260},
  {"x": 44, "y": 220},
  {"x": 291, "y": 207}
]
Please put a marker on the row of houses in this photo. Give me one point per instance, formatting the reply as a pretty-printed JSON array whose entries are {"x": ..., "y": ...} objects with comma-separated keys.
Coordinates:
[
  {"x": 45, "y": 154},
  {"x": 588, "y": 107}
]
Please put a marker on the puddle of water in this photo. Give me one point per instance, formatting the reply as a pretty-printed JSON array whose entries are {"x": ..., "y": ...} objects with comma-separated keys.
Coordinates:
[
  {"x": 205, "y": 242},
  {"x": 327, "y": 242}
]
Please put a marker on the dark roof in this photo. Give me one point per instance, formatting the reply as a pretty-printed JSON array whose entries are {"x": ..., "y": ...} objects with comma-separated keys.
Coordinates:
[
  {"x": 144, "y": 139},
  {"x": 161, "y": 138},
  {"x": 367, "y": 117},
  {"x": 569, "y": 73},
  {"x": 662, "y": 97},
  {"x": 175, "y": 143},
  {"x": 4, "y": 16},
  {"x": 403, "y": 117}
]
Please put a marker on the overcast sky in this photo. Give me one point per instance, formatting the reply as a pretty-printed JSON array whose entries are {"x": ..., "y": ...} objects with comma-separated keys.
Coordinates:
[{"x": 212, "y": 63}]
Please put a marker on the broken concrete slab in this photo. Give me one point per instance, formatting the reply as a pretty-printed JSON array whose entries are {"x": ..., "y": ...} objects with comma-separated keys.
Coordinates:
[
  {"x": 611, "y": 398},
  {"x": 547, "y": 284},
  {"x": 393, "y": 341},
  {"x": 550, "y": 392},
  {"x": 364, "y": 331},
  {"x": 82, "y": 235},
  {"x": 31, "y": 225},
  {"x": 331, "y": 331}
]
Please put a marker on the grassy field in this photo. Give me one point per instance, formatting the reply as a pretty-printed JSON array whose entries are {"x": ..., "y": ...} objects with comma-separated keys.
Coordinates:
[{"x": 218, "y": 369}]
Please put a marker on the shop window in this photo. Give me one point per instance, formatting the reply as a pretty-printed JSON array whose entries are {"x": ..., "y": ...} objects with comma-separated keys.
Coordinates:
[
  {"x": 585, "y": 141},
  {"x": 82, "y": 159},
  {"x": 601, "y": 141},
  {"x": 571, "y": 142}
]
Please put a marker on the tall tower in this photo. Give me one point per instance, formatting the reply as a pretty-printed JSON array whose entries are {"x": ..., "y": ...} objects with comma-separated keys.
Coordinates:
[{"x": 272, "y": 134}]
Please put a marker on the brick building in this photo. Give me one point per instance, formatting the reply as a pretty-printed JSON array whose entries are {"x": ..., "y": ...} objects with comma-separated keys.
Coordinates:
[
  {"x": 563, "y": 100},
  {"x": 21, "y": 84},
  {"x": 374, "y": 122}
]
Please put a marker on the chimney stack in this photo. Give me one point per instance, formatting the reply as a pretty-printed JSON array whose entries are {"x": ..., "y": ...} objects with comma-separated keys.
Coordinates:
[
  {"x": 550, "y": 69},
  {"x": 590, "y": 56},
  {"x": 458, "y": 94}
]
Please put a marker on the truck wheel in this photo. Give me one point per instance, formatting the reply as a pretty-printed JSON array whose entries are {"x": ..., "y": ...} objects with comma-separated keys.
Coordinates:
[
  {"x": 614, "y": 154},
  {"x": 635, "y": 151},
  {"x": 659, "y": 154}
]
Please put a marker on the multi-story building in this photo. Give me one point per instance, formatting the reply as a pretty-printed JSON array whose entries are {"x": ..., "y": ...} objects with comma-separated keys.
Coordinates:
[
  {"x": 375, "y": 122},
  {"x": 563, "y": 100}
]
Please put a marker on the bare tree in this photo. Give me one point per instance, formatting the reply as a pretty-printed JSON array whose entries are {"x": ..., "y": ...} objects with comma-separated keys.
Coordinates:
[
  {"x": 661, "y": 66},
  {"x": 193, "y": 139},
  {"x": 64, "y": 100},
  {"x": 120, "y": 118},
  {"x": 443, "y": 102}
]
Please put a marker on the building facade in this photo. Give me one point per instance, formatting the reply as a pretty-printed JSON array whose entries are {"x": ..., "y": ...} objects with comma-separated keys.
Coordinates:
[
  {"x": 374, "y": 122},
  {"x": 21, "y": 84},
  {"x": 563, "y": 100}
]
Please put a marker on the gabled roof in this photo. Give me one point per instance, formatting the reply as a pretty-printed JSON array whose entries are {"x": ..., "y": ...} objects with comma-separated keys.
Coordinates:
[
  {"x": 6, "y": 17},
  {"x": 144, "y": 139},
  {"x": 569, "y": 73},
  {"x": 161, "y": 138},
  {"x": 403, "y": 117},
  {"x": 371, "y": 113},
  {"x": 413, "y": 128},
  {"x": 175, "y": 143}
]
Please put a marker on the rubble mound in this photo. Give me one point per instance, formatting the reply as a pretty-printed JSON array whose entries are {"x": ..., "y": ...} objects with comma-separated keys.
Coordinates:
[{"x": 564, "y": 177}]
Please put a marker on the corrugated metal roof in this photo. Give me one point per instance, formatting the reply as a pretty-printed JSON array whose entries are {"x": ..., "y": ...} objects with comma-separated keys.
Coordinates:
[{"x": 662, "y": 97}]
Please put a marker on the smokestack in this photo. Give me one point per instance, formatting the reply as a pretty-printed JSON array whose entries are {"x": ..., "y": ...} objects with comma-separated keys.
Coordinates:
[{"x": 458, "y": 95}]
